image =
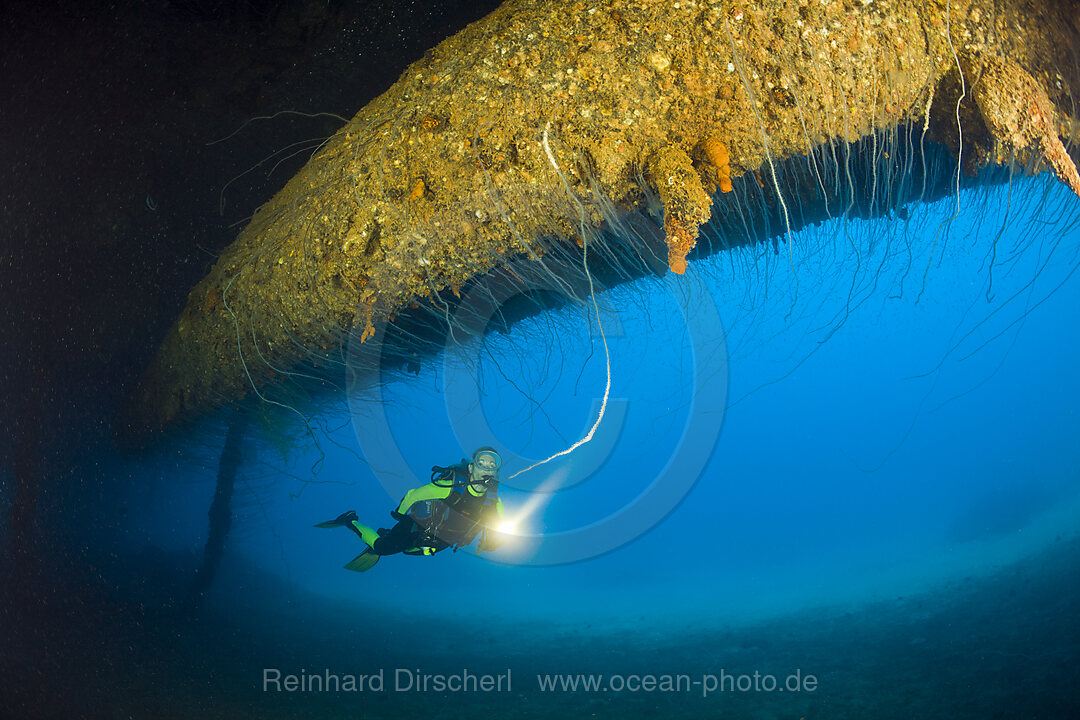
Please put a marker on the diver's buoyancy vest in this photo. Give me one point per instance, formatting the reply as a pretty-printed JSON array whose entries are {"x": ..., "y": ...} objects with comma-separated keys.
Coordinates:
[
  {"x": 466, "y": 515},
  {"x": 460, "y": 516}
]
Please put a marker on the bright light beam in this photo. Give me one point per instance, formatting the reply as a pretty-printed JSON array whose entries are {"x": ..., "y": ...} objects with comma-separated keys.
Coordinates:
[{"x": 537, "y": 500}]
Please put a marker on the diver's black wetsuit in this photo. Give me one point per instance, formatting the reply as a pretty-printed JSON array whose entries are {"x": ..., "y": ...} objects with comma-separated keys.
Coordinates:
[{"x": 407, "y": 537}]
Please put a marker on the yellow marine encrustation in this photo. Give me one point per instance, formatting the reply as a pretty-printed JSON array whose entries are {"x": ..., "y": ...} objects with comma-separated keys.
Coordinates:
[{"x": 549, "y": 120}]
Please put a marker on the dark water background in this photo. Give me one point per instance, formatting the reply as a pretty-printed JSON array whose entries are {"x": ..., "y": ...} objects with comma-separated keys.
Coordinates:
[{"x": 870, "y": 481}]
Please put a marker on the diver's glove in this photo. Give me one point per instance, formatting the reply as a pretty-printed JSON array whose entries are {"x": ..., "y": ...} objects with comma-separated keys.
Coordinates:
[
  {"x": 426, "y": 544},
  {"x": 489, "y": 541}
]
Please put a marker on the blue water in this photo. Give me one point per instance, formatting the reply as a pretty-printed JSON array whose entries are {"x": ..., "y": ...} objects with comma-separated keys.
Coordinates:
[{"x": 857, "y": 460}]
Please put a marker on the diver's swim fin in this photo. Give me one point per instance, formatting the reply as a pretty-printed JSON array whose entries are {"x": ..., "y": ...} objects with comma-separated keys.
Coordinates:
[
  {"x": 344, "y": 519},
  {"x": 363, "y": 562}
]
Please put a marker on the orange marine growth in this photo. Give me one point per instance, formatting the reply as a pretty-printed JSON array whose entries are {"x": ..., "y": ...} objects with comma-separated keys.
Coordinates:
[
  {"x": 369, "y": 327},
  {"x": 680, "y": 241},
  {"x": 417, "y": 191},
  {"x": 686, "y": 203},
  {"x": 718, "y": 155}
]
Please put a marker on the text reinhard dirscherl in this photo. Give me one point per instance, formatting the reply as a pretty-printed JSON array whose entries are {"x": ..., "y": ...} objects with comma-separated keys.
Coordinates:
[
  {"x": 402, "y": 680},
  {"x": 466, "y": 681}
]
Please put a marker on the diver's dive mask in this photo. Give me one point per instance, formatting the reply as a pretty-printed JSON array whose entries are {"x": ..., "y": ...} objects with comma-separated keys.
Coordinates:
[{"x": 485, "y": 468}]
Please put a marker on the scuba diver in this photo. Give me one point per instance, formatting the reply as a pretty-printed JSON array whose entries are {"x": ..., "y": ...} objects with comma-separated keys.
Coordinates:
[{"x": 460, "y": 503}]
